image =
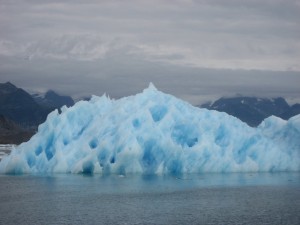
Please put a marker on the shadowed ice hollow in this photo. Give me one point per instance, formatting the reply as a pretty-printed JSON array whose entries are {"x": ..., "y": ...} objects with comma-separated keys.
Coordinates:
[{"x": 154, "y": 133}]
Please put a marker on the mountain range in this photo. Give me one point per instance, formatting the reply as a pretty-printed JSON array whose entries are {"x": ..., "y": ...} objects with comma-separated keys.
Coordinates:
[
  {"x": 19, "y": 106},
  {"x": 253, "y": 110},
  {"x": 21, "y": 113},
  {"x": 52, "y": 100},
  {"x": 27, "y": 110}
]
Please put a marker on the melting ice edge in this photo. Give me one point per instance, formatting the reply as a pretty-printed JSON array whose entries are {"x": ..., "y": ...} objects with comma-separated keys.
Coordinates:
[{"x": 154, "y": 133}]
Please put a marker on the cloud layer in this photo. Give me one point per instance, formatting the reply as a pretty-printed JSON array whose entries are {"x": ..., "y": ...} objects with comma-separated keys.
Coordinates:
[{"x": 193, "y": 49}]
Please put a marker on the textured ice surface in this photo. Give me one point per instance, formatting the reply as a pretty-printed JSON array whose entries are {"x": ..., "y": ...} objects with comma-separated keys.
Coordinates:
[{"x": 154, "y": 133}]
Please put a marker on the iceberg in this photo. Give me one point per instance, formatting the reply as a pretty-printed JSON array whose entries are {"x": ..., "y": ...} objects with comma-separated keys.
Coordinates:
[{"x": 154, "y": 133}]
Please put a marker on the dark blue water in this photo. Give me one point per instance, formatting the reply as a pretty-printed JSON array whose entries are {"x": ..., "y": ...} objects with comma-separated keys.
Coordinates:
[{"x": 262, "y": 198}]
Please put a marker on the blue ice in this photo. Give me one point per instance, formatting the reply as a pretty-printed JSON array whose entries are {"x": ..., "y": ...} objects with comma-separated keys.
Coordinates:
[{"x": 154, "y": 133}]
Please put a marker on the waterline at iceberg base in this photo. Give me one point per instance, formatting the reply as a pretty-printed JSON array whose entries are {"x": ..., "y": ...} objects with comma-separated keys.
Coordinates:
[{"x": 154, "y": 133}]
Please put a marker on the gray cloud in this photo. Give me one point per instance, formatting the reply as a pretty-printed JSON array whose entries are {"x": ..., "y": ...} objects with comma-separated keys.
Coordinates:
[{"x": 194, "y": 49}]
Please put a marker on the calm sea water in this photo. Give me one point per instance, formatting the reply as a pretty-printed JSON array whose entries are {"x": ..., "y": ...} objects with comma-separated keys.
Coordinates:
[{"x": 261, "y": 198}]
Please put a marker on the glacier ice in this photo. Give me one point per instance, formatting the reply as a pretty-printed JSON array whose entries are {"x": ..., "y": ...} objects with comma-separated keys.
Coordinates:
[{"x": 154, "y": 133}]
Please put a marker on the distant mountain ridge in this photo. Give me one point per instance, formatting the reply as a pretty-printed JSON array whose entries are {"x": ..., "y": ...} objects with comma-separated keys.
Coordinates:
[
  {"x": 26, "y": 110},
  {"x": 18, "y": 106},
  {"x": 21, "y": 113},
  {"x": 52, "y": 100},
  {"x": 252, "y": 110}
]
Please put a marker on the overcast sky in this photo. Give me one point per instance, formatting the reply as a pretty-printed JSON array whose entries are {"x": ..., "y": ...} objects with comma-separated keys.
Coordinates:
[{"x": 196, "y": 50}]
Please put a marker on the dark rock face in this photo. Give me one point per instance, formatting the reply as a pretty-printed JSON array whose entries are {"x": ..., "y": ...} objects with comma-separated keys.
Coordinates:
[
  {"x": 294, "y": 110},
  {"x": 11, "y": 133},
  {"x": 17, "y": 105}
]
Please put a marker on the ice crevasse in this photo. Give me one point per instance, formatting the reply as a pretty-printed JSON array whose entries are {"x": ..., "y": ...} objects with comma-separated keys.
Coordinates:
[{"x": 154, "y": 133}]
